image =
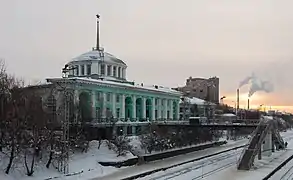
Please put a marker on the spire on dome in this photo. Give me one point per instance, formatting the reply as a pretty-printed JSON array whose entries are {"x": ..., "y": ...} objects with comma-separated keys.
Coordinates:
[{"x": 98, "y": 33}]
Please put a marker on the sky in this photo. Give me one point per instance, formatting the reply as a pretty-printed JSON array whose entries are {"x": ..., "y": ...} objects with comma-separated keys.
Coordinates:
[{"x": 162, "y": 41}]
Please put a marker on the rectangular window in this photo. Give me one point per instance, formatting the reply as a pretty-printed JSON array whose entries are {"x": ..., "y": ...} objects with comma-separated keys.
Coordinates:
[
  {"x": 102, "y": 69},
  {"x": 162, "y": 102},
  {"x": 114, "y": 71},
  {"x": 76, "y": 70},
  {"x": 119, "y": 71},
  {"x": 82, "y": 70},
  {"x": 109, "y": 70},
  {"x": 129, "y": 130},
  {"x": 118, "y": 112},
  {"x": 89, "y": 69},
  {"x": 108, "y": 97},
  {"x": 117, "y": 98}
]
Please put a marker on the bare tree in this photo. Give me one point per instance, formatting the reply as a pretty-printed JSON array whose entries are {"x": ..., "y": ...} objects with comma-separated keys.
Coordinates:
[
  {"x": 121, "y": 145},
  {"x": 35, "y": 121},
  {"x": 14, "y": 124}
]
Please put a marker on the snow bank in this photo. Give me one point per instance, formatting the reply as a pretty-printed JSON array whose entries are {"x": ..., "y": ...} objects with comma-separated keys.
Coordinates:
[{"x": 85, "y": 165}]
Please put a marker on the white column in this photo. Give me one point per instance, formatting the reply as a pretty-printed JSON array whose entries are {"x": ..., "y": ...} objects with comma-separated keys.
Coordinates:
[
  {"x": 153, "y": 109},
  {"x": 111, "y": 69},
  {"x": 93, "y": 102},
  {"x": 104, "y": 105},
  {"x": 79, "y": 70},
  {"x": 171, "y": 110},
  {"x": 143, "y": 108},
  {"x": 165, "y": 109},
  {"x": 106, "y": 69},
  {"x": 178, "y": 109},
  {"x": 123, "y": 73},
  {"x": 123, "y": 107},
  {"x": 159, "y": 108},
  {"x": 134, "y": 107},
  {"x": 114, "y": 105}
]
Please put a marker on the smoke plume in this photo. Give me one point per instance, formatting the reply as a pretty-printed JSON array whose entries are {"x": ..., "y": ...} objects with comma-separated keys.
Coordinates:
[
  {"x": 256, "y": 84},
  {"x": 246, "y": 80}
]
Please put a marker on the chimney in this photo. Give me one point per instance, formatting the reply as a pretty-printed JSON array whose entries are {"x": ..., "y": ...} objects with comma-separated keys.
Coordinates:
[
  {"x": 237, "y": 99},
  {"x": 98, "y": 33},
  {"x": 248, "y": 103}
]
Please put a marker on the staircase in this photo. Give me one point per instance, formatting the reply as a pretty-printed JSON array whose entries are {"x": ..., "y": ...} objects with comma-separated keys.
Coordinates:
[
  {"x": 255, "y": 144},
  {"x": 249, "y": 153}
]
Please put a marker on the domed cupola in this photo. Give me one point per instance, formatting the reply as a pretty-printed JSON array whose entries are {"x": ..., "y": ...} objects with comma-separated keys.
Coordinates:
[{"x": 98, "y": 64}]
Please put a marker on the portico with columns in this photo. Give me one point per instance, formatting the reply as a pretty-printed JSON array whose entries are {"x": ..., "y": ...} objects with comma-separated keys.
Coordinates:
[{"x": 124, "y": 104}]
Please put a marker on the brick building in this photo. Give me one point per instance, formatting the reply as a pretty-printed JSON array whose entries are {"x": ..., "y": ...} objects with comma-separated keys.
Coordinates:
[{"x": 207, "y": 89}]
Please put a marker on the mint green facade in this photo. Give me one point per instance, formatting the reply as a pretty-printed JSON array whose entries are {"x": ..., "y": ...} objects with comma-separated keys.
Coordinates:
[
  {"x": 126, "y": 104},
  {"x": 103, "y": 94}
]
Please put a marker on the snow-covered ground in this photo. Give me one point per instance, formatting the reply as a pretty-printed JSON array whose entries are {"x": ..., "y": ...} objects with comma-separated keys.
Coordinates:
[
  {"x": 84, "y": 164},
  {"x": 81, "y": 165},
  {"x": 223, "y": 166},
  {"x": 131, "y": 171},
  {"x": 285, "y": 173}
]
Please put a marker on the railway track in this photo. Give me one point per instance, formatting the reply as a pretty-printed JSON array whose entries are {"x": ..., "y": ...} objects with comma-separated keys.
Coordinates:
[
  {"x": 183, "y": 163},
  {"x": 211, "y": 161},
  {"x": 288, "y": 174},
  {"x": 202, "y": 165}
]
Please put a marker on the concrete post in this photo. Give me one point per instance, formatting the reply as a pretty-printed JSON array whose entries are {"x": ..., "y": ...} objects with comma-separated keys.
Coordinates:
[{"x": 267, "y": 145}]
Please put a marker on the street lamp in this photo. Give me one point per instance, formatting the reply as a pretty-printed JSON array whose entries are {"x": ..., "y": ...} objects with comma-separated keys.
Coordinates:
[{"x": 222, "y": 99}]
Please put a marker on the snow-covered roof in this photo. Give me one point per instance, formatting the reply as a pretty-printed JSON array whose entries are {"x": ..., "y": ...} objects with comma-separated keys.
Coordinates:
[
  {"x": 229, "y": 115},
  {"x": 197, "y": 101},
  {"x": 95, "y": 55},
  {"x": 117, "y": 84}
]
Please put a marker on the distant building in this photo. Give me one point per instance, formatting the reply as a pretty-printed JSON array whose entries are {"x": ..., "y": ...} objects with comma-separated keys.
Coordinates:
[
  {"x": 195, "y": 107},
  {"x": 207, "y": 89}
]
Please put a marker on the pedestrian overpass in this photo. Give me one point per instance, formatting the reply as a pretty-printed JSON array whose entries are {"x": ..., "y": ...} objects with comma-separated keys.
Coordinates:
[{"x": 264, "y": 140}]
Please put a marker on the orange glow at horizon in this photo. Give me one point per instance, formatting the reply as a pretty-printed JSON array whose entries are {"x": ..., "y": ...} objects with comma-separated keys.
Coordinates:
[{"x": 256, "y": 102}]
